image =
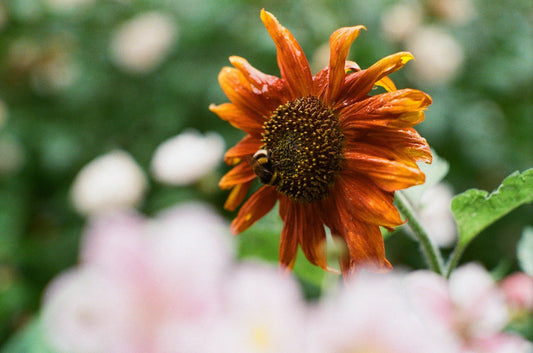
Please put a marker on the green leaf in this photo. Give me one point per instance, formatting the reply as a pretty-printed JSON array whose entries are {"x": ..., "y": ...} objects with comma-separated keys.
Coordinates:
[
  {"x": 525, "y": 251},
  {"x": 28, "y": 340},
  {"x": 474, "y": 210}
]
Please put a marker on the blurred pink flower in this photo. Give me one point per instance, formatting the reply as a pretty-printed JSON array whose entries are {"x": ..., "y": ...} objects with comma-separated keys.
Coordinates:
[
  {"x": 262, "y": 312},
  {"x": 374, "y": 314},
  {"x": 168, "y": 284},
  {"x": 469, "y": 306},
  {"x": 518, "y": 291},
  {"x": 138, "y": 275},
  {"x": 87, "y": 311},
  {"x": 265, "y": 309}
]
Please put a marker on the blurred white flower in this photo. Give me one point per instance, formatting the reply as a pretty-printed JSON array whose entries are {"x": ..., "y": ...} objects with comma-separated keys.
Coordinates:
[
  {"x": 436, "y": 215},
  {"x": 109, "y": 182},
  {"x": 457, "y": 12},
  {"x": 142, "y": 43},
  {"x": 401, "y": 20},
  {"x": 374, "y": 314},
  {"x": 469, "y": 306},
  {"x": 12, "y": 155},
  {"x": 438, "y": 55},
  {"x": 187, "y": 157}
]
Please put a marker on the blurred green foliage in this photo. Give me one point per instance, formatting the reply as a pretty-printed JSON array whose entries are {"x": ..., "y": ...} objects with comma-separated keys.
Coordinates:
[{"x": 481, "y": 121}]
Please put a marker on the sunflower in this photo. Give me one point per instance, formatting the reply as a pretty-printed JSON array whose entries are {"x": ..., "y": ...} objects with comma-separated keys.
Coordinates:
[{"x": 332, "y": 154}]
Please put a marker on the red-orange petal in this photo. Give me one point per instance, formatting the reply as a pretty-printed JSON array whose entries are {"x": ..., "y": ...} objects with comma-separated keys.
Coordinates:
[
  {"x": 313, "y": 235},
  {"x": 367, "y": 249},
  {"x": 238, "y": 118},
  {"x": 359, "y": 84},
  {"x": 398, "y": 109},
  {"x": 241, "y": 173},
  {"x": 390, "y": 170},
  {"x": 258, "y": 205},
  {"x": 292, "y": 62},
  {"x": 366, "y": 201},
  {"x": 271, "y": 89},
  {"x": 407, "y": 141},
  {"x": 320, "y": 80},
  {"x": 339, "y": 43},
  {"x": 245, "y": 147},
  {"x": 241, "y": 93},
  {"x": 236, "y": 196},
  {"x": 363, "y": 240},
  {"x": 292, "y": 226}
]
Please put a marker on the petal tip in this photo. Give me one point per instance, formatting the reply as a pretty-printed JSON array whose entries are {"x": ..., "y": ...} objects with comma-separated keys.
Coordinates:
[
  {"x": 267, "y": 16},
  {"x": 405, "y": 57}
]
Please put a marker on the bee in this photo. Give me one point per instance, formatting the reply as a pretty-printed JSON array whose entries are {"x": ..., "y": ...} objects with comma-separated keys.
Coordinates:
[{"x": 263, "y": 167}]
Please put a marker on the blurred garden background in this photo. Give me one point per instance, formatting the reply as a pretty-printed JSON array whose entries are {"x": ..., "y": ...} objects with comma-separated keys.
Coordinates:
[{"x": 80, "y": 79}]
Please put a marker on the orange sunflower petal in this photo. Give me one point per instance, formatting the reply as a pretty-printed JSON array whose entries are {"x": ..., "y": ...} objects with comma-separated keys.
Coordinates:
[
  {"x": 292, "y": 226},
  {"x": 386, "y": 83},
  {"x": 407, "y": 141},
  {"x": 236, "y": 196},
  {"x": 292, "y": 62},
  {"x": 313, "y": 236},
  {"x": 358, "y": 85},
  {"x": 398, "y": 109},
  {"x": 241, "y": 173},
  {"x": 270, "y": 88},
  {"x": 367, "y": 249},
  {"x": 245, "y": 147},
  {"x": 320, "y": 80},
  {"x": 390, "y": 170},
  {"x": 367, "y": 201},
  {"x": 241, "y": 93},
  {"x": 363, "y": 240},
  {"x": 339, "y": 42},
  {"x": 254, "y": 208},
  {"x": 231, "y": 113}
]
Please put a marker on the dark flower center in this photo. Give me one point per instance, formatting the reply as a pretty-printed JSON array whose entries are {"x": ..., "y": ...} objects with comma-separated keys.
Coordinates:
[{"x": 305, "y": 143}]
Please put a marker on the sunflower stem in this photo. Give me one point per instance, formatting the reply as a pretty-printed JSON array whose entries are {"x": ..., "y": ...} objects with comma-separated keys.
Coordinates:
[{"x": 431, "y": 253}]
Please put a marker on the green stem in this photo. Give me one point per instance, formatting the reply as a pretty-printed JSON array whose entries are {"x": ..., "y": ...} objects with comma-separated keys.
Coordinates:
[
  {"x": 453, "y": 260},
  {"x": 429, "y": 250}
]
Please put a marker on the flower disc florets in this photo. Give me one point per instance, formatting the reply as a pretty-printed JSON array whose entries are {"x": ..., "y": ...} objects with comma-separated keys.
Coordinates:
[{"x": 306, "y": 144}]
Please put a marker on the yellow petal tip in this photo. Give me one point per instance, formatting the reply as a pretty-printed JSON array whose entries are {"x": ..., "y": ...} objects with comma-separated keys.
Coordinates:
[{"x": 407, "y": 57}]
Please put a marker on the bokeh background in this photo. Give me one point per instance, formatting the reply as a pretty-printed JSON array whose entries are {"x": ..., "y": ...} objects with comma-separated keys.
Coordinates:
[{"x": 81, "y": 78}]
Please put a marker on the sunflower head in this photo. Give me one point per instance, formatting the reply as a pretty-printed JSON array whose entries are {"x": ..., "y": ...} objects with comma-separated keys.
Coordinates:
[{"x": 332, "y": 154}]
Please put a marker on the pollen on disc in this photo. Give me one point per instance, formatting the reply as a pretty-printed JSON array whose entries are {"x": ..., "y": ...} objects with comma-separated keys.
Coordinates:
[{"x": 306, "y": 144}]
